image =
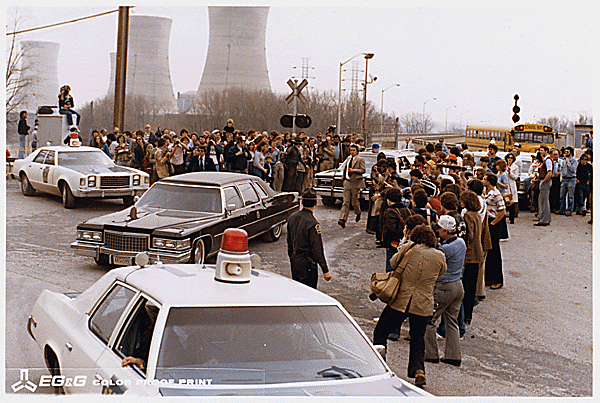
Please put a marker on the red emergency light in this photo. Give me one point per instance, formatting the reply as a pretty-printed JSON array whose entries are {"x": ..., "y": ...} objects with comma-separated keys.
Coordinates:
[{"x": 235, "y": 240}]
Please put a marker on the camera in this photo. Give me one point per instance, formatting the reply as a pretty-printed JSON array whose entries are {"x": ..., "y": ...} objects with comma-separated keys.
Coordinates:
[{"x": 373, "y": 296}]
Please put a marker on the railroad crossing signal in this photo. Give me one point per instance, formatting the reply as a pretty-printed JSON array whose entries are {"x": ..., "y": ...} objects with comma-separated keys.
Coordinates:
[
  {"x": 296, "y": 120},
  {"x": 296, "y": 90},
  {"x": 516, "y": 109}
]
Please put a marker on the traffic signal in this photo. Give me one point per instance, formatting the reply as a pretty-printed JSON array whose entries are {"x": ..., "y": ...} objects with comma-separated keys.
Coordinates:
[
  {"x": 516, "y": 109},
  {"x": 287, "y": 121}
]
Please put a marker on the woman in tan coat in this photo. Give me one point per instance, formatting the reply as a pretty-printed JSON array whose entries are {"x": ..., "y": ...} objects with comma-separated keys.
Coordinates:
[{"x": 422, "y": 266}]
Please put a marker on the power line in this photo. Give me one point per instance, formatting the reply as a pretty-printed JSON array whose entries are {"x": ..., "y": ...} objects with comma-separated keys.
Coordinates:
[{"x": 62, "y": 23}]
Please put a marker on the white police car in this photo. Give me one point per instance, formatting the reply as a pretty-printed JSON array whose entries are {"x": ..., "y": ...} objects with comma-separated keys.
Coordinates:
[
  {"x": 78, "y": 172},
  {"x": 208, "y": 330}
]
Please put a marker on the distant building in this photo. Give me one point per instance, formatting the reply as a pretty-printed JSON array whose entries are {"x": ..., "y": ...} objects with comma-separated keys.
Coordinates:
[
  {"x": 236, "y": 54},
  {"x": 148, "y": 73},
  {"x": 185, "y": 100},
  {"x": 40, "y": 66}
]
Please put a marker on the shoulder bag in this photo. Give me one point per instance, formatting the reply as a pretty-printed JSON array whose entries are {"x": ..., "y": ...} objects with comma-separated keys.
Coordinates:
[{"x": 385, "y": 286}]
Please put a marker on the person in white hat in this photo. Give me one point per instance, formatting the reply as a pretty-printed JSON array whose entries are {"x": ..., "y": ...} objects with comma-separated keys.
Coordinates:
[{"x": 448, "y": 294}]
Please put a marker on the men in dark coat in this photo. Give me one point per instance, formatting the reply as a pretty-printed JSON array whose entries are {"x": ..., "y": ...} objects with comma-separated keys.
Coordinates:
[
  {"x": 238, "y": 156},
  {"x": 305, "y": 246},
  {"x": 290, "y": 167},
  {"x": 200, "y": 162}
]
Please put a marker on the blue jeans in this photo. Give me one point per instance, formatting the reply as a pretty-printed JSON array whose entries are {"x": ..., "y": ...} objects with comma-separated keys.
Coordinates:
[
  {"x": 22, "y": 145},
  {"x": 70, "y": 113},
  {"x": 583, "y": 191},
  {"x": 567, "y": 189}
]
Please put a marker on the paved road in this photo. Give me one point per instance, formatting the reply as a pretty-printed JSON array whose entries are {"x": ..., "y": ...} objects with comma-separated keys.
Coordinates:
[{"x": 531, "y": 338}]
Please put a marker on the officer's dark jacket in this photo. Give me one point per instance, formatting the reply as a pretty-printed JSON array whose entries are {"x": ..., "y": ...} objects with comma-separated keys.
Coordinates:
[{"x": 304, "y": 238}]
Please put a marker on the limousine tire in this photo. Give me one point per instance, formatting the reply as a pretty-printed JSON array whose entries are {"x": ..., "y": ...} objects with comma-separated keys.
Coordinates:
[
  {"x": 102, "y": 260},
  {"x": 198, "y": 252},
  {"x": 53, "y": 367},
  {"x": 26, "y": 187},
  {"x": 328, "y": 201},
  {"x": 274, "y": 233}
]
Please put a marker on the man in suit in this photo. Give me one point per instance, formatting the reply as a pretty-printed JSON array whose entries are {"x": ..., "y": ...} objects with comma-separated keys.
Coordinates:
[
  {"x": 238, "y": 156},
  {"x": 200, "y": 162},
  {"x": 353, "y": 169}
]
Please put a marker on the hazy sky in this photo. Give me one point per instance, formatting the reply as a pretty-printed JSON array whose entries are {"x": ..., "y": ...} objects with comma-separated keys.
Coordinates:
[{"x": 473, "y": 58}]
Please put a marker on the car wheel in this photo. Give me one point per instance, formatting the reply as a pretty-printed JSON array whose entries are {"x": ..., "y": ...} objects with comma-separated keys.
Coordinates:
[
  {"x": 198, "y": 252},
  {"x": 54, "y": 368},
  {"x": 67, "y": 196},
  {"x": 26, "y": 187},
  {"x": 328, "y": 201},
  {"x": 102, "y": 260},
  {"x": 128, "y": 201},
  {"x": 274, "y": 233}
]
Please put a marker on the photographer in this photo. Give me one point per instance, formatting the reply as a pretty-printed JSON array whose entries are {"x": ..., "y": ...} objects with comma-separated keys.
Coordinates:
[{"x": 66, "y": 105}]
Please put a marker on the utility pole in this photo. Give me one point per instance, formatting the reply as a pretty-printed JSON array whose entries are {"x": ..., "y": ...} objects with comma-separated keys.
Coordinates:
[{"x": 121, "y": 67}]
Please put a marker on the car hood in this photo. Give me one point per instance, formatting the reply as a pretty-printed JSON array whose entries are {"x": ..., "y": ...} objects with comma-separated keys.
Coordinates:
[
  {"x": 392, "y": 386},
  {"x": 156, "y": 219},
  {"x": 99, "y": 170}
]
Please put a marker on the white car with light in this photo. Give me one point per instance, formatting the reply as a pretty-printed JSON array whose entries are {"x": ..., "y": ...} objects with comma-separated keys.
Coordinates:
[
  {"x": 208, "y": 330},
  {"x": 78, "y": 172}
]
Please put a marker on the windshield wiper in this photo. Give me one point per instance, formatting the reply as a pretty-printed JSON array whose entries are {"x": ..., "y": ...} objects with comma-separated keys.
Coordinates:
[{"x": 338, "y": 372}]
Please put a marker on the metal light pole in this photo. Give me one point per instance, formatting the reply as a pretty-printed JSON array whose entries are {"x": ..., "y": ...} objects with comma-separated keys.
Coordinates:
[
  {"x": 382, "y": 91},
  {"x": 423, "y": 120},
  {"x": 446, "y": 130},
  {"x": 121, "y": 67},
  {"x": 368, "y": 56},
  {"x": 339, "y": 117}
]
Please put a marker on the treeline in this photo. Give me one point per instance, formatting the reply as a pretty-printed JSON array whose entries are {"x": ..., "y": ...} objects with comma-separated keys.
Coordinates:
[{"x": 249, "y": 109}]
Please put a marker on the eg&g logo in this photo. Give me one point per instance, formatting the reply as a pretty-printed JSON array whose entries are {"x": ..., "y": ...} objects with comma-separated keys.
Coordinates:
[{"x": 47, "y": 380}]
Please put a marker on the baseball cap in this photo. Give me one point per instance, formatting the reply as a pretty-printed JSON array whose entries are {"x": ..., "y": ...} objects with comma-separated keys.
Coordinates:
[{"x": 446, "y": 222}]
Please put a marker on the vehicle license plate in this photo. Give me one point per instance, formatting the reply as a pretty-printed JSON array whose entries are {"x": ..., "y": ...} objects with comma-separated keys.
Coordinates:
[{"x": 123, "y": 261}]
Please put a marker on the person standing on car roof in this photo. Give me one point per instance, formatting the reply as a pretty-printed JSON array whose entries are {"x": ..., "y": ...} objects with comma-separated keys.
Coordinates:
[{"x": 305, "y": 245}]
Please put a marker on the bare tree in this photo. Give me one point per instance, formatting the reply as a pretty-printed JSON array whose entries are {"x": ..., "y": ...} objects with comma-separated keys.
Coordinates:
[
  {"x": 413, "y": 122},
  {"x": 16, "y": 81}
]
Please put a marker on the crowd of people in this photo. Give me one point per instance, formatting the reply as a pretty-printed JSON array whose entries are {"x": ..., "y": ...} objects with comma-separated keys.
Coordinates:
[
  {"x": 287, "y": 162},
  {"x": 442, "y": 228}
]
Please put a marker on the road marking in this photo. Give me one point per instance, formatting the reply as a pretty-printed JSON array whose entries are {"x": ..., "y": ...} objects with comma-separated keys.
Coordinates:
[{"x": 39, "y": 246}]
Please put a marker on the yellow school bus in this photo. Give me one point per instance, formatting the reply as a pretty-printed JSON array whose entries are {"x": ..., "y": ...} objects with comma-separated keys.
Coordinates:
[
  {"x": 480, "y": 137},
  {"x": 529, "y": 135},
  {"x": 533, "y": 135}
]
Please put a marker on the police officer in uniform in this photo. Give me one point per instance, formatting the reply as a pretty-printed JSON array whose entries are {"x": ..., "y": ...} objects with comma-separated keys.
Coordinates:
[{"x": 305, "y": 246}]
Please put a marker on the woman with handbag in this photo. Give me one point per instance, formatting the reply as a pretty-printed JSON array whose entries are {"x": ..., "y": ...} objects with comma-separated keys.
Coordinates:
[
  {"x": 503, "y": 187},
  {"x": 418, "y": 265}
]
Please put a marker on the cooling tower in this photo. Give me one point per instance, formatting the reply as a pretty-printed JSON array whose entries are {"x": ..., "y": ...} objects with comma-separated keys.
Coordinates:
[
  {"x": 236, "y": 54},
  {"x": 148, "y": 73},
  {"x": 40, "y": 66}
]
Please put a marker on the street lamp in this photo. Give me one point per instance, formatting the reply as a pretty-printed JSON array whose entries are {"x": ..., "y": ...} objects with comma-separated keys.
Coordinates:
[
  {"x": 447, "y": 117},
  {"x": 423, "y": 122},
  {"x": 382, "y": 91},
  {"x": 368, "y": 56},
  {"x": 339, "y": 117}
]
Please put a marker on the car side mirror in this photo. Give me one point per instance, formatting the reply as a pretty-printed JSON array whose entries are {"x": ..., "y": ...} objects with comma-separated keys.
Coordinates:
[
  {"x": 230, "y": 207},
  {"x": 135, "y": 199}
]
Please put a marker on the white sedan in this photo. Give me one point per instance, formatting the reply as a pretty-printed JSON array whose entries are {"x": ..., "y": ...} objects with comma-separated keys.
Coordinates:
[
  {"x": 207, "y": 330},
  {"x": 77, "y": 172}
]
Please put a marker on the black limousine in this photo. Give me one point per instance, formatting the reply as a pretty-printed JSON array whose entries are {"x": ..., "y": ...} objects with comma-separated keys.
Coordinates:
[{"x": 181, "y": 219}]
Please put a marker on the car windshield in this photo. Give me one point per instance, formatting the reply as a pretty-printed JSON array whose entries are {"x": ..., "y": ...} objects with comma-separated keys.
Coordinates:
[
  {"x": 164, "y": 196},
  {"x": 263, "y": 345},
  {"x": 84, "y": 158}
]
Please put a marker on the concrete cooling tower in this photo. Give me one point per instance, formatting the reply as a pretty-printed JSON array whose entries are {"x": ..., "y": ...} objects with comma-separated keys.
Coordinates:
[
  {"x": 148, "y": 73},
  {"x": 40, "y": 66},
  {"x": 236, "y": 54}
]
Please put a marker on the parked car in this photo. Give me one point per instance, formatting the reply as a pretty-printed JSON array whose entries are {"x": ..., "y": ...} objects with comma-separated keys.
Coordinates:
[
  {"x": 181, "y": 219},
  {"x": 78, "y": 172},
  {"x": 227, "y": 329},
  {"x": 328, "y": 184}
]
